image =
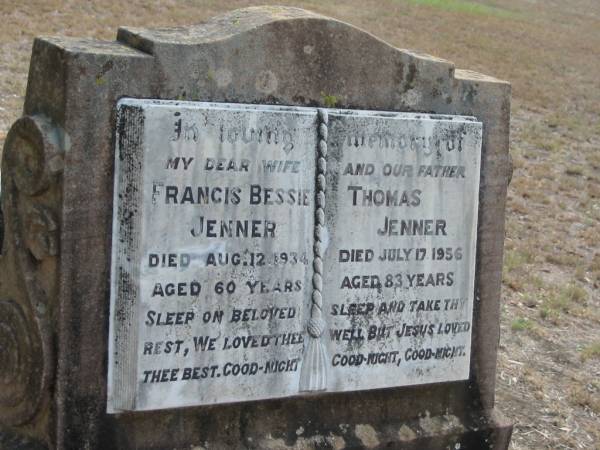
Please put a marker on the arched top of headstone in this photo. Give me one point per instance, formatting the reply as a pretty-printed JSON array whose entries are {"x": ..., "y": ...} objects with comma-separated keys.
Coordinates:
[
  {"x": 274, "y": 54},
  {"x": 220, "y": 27}
]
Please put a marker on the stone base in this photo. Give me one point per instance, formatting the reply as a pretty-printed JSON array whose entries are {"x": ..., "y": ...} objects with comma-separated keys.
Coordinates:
[
  {"x": 491, "y": 431},
  {"x": 488, "y": 431}
]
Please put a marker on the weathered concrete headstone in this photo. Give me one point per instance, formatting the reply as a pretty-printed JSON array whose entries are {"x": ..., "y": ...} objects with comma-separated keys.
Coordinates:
[{"x": 271, "y": 230}]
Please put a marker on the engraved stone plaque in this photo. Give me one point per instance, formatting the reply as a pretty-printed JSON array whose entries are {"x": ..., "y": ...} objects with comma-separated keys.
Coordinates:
[
  {"x": 212, "y": 253},
  {"x": 263, "y": 251},
  {"x": 400, "y": 262}
]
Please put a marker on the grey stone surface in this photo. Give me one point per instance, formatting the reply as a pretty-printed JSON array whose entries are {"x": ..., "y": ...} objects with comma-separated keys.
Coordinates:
[{"x": 57, "y": 205}]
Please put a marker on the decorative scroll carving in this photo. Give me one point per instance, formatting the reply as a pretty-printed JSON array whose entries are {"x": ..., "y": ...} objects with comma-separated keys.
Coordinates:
[
  {"x": 40, "y": 232},
  {"x": 21, "y": 364},
  {"x": 32, "y": 165},
  {"x": 33, "y": 153},
  {"x": 313, "y": 376}
]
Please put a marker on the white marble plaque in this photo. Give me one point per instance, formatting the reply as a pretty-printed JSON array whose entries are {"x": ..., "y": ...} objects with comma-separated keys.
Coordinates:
[
  {"x": 263, "y": 252},
  {"x": 400, "y": 262},
  {"x": 212, "y": 253}
]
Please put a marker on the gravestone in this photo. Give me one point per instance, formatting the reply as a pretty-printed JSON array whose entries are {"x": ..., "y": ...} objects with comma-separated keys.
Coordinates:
[{"x": 271, "y": 230}]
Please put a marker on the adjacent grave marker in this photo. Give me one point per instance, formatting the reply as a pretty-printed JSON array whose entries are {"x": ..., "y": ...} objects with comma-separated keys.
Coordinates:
[{"x": 187, "y": 225}]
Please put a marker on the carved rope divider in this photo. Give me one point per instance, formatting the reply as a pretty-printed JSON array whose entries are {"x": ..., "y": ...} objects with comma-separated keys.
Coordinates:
[{"x": 313, "y": 376}]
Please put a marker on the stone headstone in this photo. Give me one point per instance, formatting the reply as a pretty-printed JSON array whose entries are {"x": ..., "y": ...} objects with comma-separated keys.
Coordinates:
[{"x": 271, "y": 230}]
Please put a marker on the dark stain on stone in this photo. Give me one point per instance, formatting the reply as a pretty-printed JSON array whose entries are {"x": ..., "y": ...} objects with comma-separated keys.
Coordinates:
[
  {"x": 304, "y": 101},
  {"x": 410, "y": 77},
  {"x": 244, "y": 421},
  {"x": 399, "y": 73},
  {"x": 470, "y": 94},
  {"x": 107, "y": 437},
  {"x": 82, "y": 429},
  {"x": 106, "y": 67}
]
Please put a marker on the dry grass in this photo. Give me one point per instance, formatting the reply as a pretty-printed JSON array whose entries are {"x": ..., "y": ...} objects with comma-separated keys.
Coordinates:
[
  {"x": 548, "y": 365},
  {"x": 591, "y": 351}
]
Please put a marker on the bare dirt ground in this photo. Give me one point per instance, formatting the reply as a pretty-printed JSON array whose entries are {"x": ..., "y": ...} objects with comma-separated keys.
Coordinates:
[{"x": 549, "y": 361}]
